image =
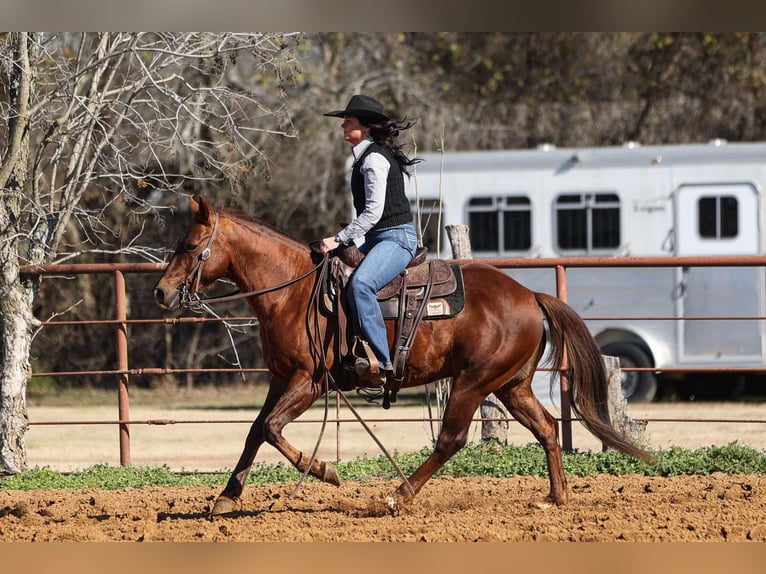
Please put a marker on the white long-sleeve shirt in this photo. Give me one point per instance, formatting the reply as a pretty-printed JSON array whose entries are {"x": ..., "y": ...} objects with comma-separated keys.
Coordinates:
[{"x": 374, "y": 168}]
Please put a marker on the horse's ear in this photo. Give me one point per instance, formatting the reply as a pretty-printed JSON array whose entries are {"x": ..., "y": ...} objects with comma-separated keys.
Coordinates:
[
  {"x": 205, "y": 209},
  {"x": 202, "y": 210}
]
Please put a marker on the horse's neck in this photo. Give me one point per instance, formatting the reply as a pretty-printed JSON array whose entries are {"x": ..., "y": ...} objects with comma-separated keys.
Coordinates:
[{"x": 262, "y": 259}]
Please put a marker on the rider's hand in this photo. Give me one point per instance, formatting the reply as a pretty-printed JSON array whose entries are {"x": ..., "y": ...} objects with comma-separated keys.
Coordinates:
[{"x": 328, "y": 244}]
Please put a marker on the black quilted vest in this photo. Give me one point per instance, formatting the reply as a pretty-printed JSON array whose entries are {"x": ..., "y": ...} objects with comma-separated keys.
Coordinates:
[{"x": 396, "y": 209}]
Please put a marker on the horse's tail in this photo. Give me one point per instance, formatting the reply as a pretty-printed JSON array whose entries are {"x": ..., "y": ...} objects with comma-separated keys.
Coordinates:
[{"x": 587, "y": 373}]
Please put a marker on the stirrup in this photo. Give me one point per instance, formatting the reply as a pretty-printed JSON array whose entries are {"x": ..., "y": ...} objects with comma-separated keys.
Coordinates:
[
  {"x": 369, "y": 372},
  {"x": 366, "y": 362}
]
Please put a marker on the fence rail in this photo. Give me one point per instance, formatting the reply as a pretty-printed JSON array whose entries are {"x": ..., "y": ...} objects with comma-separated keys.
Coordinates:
[{"x": 123, "y": 370}]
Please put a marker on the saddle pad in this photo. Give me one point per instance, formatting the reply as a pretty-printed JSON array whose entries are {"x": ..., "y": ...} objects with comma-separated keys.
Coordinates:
[{"x": 442, "y": 307}]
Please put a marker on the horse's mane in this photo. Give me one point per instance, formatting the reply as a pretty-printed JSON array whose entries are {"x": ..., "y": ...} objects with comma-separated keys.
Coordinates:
[{"x": 251, "y": 221}]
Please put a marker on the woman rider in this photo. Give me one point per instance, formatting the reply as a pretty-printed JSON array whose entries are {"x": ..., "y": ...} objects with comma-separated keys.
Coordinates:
[{"x": 383, "y": 220}]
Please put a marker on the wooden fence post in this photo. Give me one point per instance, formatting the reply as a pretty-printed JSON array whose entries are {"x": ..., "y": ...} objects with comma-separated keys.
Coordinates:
[{"x": 629, "y": 428}]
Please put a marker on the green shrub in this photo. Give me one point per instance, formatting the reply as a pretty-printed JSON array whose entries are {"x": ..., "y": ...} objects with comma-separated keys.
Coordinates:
[{"x": 482, "y": 459}]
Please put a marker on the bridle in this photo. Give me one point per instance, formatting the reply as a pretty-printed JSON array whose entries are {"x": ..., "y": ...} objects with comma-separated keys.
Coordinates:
[{"x": 189, "y": 297}]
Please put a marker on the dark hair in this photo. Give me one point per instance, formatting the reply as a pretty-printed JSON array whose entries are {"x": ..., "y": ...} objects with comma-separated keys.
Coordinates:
[{"x": 385, "y": 134}]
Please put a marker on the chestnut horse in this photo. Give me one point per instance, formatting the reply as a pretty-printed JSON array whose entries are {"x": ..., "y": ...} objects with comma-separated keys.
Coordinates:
[{"x": 492, "y": 346}]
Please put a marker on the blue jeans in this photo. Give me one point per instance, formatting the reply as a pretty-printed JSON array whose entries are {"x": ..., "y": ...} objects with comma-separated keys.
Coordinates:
[{"x": 387, "y": 252}]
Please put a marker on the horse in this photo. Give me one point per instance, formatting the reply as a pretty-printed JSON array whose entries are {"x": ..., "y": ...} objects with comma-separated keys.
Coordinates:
[{"x": 493, "y": 345}]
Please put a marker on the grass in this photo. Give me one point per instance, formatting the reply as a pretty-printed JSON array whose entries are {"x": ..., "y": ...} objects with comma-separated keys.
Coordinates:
[{"x": 483, "y": 459}]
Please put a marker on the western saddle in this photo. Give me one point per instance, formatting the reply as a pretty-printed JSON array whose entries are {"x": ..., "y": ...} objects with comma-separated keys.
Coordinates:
[{"x": 430, "y": 288}]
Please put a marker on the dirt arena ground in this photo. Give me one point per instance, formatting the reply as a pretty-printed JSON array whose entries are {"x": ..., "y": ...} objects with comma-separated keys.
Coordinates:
[{"x": 717, "y": 508}]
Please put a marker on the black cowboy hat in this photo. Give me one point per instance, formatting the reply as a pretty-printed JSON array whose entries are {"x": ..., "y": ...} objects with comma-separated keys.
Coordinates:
[{"x": 366, "y": 108}]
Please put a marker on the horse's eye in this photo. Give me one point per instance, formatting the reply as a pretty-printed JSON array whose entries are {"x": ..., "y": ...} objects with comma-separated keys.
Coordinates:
[{"x": 191, "y": 247}]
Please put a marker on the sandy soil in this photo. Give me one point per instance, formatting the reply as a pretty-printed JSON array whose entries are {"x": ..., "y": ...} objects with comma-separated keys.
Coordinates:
[{"x": 603, "y": 508}]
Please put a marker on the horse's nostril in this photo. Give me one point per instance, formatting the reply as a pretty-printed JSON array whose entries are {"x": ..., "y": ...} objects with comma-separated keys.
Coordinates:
[{"x": 159, "y": 294}]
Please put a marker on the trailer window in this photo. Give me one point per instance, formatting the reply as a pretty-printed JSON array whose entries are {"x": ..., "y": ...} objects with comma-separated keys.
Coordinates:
[
  {"x": 718, "y": 216},
  {"x": 500, "y": 224},
  {"x": 588, "y": 222},
  {"x": 429, "y": 221}
]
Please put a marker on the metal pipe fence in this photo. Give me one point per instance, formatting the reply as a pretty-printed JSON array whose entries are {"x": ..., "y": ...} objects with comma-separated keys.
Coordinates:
[{"x": 123, "y": 370}]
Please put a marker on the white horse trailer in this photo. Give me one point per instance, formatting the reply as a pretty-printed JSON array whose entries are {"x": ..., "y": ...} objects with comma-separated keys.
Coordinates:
[{"x": 633, "y": 200}]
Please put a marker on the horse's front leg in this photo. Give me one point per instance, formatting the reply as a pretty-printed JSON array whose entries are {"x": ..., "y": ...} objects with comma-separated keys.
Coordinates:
[
  {"x": 300, "y": 395},
  {"x": 284, "y": 403},
  {"x": 229, "y": 497}
]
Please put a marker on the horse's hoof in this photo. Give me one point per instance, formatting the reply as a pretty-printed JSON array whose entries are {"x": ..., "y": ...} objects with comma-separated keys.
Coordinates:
[
  {"x": 224, "y": 505},
  {"x": 549, "y": 502},
  {"x": 330, "y": 474},
  {"x": 393, "y": 506}
]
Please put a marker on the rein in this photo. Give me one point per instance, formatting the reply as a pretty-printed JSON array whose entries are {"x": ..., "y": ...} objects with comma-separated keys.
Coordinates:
[
  {"x": 191, "y": 299},
  {"x": 194, "y": 301}
]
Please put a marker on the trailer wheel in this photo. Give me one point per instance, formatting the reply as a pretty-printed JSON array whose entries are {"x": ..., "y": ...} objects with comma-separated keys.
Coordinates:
[{"x": 637, "y": 386}]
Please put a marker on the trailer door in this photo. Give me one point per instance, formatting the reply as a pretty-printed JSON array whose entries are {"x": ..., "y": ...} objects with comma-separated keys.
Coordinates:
[{"x": 718, "y": 220}]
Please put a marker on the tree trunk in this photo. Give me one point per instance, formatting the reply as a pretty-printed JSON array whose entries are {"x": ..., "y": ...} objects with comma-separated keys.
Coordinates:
[
  {"x": 16, "y": 323},
  {"x": 618, "y": 406},
  {"x": 16, "y": 317},
  {"x": 15, "y": 343}
]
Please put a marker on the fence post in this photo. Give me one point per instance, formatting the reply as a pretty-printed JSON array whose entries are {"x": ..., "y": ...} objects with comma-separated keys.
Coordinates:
[
  {"x": 566, "y": 406},
  {"x": 121, "y": 333},
  {"x": 618, "y": 405}
]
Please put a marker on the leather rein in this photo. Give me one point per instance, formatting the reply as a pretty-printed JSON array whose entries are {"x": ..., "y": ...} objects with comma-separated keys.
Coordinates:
[{"x": 190, "y": 298}]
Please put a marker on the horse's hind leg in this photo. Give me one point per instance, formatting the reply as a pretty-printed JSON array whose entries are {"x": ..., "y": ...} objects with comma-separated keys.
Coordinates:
[
  {"x": 526, "y": 409},
  {"x": 461, "y": 406},
  {"x": 284, "y": 403}
]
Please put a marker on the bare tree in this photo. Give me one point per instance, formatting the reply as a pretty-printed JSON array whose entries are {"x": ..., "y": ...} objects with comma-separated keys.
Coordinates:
[
  {"x": 103, "y": 125},
  {"x": 16, "y": 317}
]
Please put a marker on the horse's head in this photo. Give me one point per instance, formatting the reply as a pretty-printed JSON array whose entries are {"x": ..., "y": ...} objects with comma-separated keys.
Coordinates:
[{"x": 198, "y": 260}]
